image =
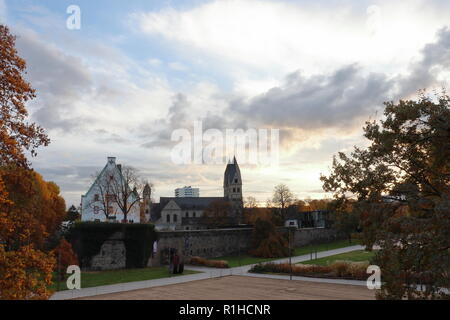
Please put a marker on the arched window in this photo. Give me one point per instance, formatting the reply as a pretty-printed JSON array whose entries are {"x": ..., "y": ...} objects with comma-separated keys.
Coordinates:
[
  {"x": 168, "y": 218},
  {"x": 175, "y": 218}
]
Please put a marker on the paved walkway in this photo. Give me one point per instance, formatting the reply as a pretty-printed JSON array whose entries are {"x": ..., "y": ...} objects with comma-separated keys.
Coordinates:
[
  {"x": 207, "y": 273},
  {"x": 244, "y": 288}
]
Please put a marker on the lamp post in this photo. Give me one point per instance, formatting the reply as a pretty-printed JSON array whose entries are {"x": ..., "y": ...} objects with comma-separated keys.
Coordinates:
[{"x": 290, "y": 254}]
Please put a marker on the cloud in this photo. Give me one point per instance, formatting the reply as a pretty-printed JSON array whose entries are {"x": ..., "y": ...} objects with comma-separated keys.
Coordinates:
[
  {"x": 278, "y": 37},
  {"x": 428, "y": 70},
  {"x": 60, "y": 80},
  {"x": 333, "y": 100}
]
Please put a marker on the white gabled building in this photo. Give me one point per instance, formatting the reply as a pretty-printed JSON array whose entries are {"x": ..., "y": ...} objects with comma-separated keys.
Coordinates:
[{"x": 99, "y": 203}]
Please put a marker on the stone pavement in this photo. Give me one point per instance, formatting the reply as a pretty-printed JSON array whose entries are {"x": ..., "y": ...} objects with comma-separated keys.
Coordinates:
[{"x": 207, "y": 273}]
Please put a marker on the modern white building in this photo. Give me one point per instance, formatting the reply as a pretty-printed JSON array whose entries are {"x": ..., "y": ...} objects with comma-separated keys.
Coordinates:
[
  {"x": 100, "y": 204},
  {"x": 187, "y": 192}
]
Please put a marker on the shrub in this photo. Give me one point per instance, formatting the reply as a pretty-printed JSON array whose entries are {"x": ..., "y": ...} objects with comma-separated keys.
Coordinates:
[
  {"x": 65, "y": 256},
  {"x": 199, "y": 261},
  {"x": 87, "y": 239},
  {"x": 339, "y": 269},
  {"x": 267, "y": 242}
]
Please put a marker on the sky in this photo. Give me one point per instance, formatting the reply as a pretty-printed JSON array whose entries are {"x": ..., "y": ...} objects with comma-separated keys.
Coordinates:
[{"x": 138, "y": 70}]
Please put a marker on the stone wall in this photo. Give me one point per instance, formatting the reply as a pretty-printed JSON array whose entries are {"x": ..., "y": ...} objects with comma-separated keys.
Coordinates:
[
  {"x": 308, "y": 236},
  {"x": 112, "y": 254},
  {"x": 223, "y": 242},
  {"x": 204, "y": 243}
]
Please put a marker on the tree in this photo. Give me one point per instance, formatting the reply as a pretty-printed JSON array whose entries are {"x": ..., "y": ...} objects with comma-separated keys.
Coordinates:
[
  {"x": 16, "y": 135},
  {"x": 282, "y": 198},
  {"x": 217, "y": 214},
  {"x": 316, "y": 204},
  {"x": 25, "y": 272},
  {"x": 38, "y": 209},
  {"x": 267, "y": 242},
  {"x": 65, "y": 256},
  {"x": 408, "y": 161},
  {"x": 346, "y": 219},
  {"x": 250, "y": 202},
  {"x": 72, "y": 214},
  {"x": 125, "y": 189}
]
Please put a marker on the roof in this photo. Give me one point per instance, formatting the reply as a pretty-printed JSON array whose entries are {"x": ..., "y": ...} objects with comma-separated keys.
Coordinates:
[
  {"x": 191, "y": 203},
  {"x": 230, "y": 172}
]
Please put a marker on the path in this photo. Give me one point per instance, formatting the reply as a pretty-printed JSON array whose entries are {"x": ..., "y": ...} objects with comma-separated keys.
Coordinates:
[{"x": 245, "y": 288}]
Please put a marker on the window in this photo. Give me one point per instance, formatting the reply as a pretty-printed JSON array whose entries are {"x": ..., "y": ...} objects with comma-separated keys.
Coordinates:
[
  {"x": 175, "y": 218},
  {"x": 168, "y": 218},
  {"x": 194, "y": 214},
  {"x": 238, "y": 189},
  {"x": 187, "y": 214},
  {"x": 96, "y": 197},
  {"x": 234, "y": 189},
  {"x": 96, "y": 210},
  {"x": 235, "y": 180}
]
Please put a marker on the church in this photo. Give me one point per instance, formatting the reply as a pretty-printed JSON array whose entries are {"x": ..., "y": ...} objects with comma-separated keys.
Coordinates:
[{"x": 173, "y": 213}]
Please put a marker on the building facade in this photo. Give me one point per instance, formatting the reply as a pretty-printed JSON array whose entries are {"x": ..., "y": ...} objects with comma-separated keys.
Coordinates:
[
  {"x": 99, "y": 203},
  {"x": 187, "y": 192},
  {"x": 187, "y": 213}
]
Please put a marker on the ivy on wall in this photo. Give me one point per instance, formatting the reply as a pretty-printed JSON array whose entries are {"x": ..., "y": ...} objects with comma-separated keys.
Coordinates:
[{"x": 87, "y": 239}]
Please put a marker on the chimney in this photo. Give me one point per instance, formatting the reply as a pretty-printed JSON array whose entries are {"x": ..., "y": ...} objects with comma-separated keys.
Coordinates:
[{"x": 112, "y": 160}]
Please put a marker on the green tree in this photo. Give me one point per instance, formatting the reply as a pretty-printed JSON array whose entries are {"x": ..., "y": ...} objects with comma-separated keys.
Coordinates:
[{"x": 408, "y": 160}]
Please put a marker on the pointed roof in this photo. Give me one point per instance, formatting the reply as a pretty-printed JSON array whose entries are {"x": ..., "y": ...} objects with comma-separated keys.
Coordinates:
[{"x": 230, "y": 172}]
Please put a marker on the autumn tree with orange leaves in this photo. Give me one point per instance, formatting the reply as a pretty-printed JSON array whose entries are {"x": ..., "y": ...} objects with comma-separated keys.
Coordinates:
[{"x": 30, "y": 208}]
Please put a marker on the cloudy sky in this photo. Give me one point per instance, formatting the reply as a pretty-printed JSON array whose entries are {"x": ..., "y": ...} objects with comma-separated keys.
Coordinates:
[{"x": 139, "y": 69}]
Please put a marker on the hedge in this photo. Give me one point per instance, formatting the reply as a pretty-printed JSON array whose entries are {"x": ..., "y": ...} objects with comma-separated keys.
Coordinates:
[{"x": 87, "y": 239}]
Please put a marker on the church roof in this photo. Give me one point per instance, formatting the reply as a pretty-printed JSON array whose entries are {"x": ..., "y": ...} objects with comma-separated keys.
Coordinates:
[
  {"x": 230, "y": 172},
  {"x": 190, "y": 203},
  {"x": 199, "y": 203}
]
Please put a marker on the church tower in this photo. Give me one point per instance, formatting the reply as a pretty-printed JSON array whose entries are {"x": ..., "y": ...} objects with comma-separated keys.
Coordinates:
[{"x": 232, "y": 189}]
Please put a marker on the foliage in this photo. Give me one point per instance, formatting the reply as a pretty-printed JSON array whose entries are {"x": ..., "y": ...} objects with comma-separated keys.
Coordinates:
[
  {"x": 346, "y": 220},
  {"x": 198, "y": 261},
  {"x": 72, "y": 215},
  {"x": 87, "y": 239},
  {"x": 65, "y": 256},
  {"x": 217, "y": 214},
  {"x": 29, "y": 207},
  {"x": 408, "y": 160},
  {"x": 338, "y": 269},
  {"x": 267, "y": 242},
  {"x": 25, "y": 273},
  {"x": 38, "y": 208},
  {"x": 16, "y": 135}
]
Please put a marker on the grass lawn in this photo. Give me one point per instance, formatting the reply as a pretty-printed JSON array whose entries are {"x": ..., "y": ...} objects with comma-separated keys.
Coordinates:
[
  {"x": 354, "y": 256},
  {"x": 246, "y": 259},
  {"x": 101, "y": 278}
]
